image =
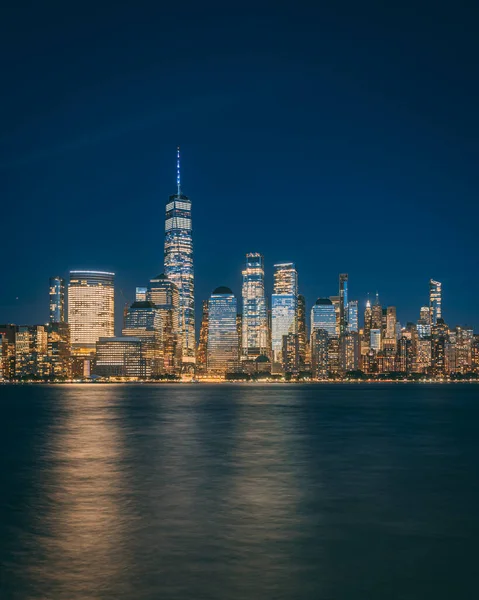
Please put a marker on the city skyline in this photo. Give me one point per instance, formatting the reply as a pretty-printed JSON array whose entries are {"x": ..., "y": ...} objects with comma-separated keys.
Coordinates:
[{"x": 301, "y": 142}]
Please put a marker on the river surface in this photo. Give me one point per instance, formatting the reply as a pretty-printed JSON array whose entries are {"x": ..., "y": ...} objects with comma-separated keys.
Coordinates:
[{"x": 239, "y": 492}]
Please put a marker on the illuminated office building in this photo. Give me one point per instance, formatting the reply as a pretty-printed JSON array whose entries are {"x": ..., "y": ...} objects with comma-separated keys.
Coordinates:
[
  {"x": 203, "y": 341},
  {"x": 435, "y": 301},
  {"x": 164, "y": 295},
  {"x": 91, "y": 309},
  {"x": 343, "y": 303},
  {"x": 376, "y": 314},
  {"x": 31, "y": 345},
  {"x": 140, "y": 295},
  {"x": 323, "y": 316},
  {"x": 120, "y": 357},
  {"x": 302, "y": 333},
  {"x": 7, "y": 341},
  {"x": 423, "y": 355},
  {"x": 349, "y": 344},
  {"x": 439, "y": 334},
  {"x": 59, "y": 350},
  {"x": 424, "y": 323},
  {"x": 284, "y": 309},
  {"x": 367, "y": 323},
  {"x": 222, "y": 351},
  {"x": 319, "y": 354},
  {"x": 290, "y": 354},
  {"x": 353, "y": 318},
  {"x": 375, "y": 340},
  {"x": 143, "y": 321},
  {"x": 254, "y": 336},
  {"x": 179, "y": 266},
  {"x": 57, "y": 300}
]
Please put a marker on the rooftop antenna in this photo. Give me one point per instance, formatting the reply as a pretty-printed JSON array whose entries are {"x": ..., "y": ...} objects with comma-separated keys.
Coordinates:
[{"x": 178, "y": 179}]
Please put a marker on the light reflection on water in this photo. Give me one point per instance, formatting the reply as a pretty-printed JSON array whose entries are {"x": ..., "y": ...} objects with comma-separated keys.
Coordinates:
[{"x": 238, "y": 491}]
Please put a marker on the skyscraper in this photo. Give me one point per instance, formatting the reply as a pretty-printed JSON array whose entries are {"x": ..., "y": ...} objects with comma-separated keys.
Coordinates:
[
  {"x": 376, "y": 314},
  {"x": 143, "y": 321},
  {"x": 222, "y": 353},
  {"x": 255, "y": 317},
  {"x": 57, "y": 300},
  {"x": 435, "y": 301},
  {"x": 91, "y": 309},
  {"x": 284, "y": 308},
  {"x": 302, "y": 334},
  {"x": 353, "y": 319},
  {"x": 367, "y": 322},
  {"x": 179, "y": 264},
  {"x": 343, "y": 303},
  {"x": 323, "y": 316},
  {"x": 164, "y": 295},
  {"x": 203, "y": 341}
]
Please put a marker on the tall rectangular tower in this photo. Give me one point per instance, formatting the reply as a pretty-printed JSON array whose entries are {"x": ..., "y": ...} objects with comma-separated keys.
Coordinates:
[
  {"x": 91, "y": 309},
  {"x": 284, "y": 307},
  {"x": 435, "y": 301},
  {"x": 57, "y": 300},
  {"x": 254, "y": 336},
  {"x": 343, "y": 303},
  {"x": 179, "y": 264}
]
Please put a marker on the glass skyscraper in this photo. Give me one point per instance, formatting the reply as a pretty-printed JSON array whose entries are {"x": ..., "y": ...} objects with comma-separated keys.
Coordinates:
[
  {"x": 353, "y": 318},
  {"x": 57, "y": 300},
  {"x": 284, "y": 307},
  {"x": 143, "y": 321},
  {"x": 323, "y": 316},
  {"x": 179, "y": 264},
  {"x": 222, "y": 351},
  {"x": 435, "y": 301},
  {"x": 91, "y": 308},
  {"x": 254, "y": 338}
]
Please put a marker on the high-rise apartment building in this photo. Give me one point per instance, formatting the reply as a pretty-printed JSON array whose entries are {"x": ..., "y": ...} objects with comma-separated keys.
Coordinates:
[
  {"x": 435, "y": 301},
  {"x": 424, "y": 323},
  {"x": 179, "y": 265},
  {"x": 284, "y": 309},
  {"x": 222, "y": 355},
  {"x": 254, "y": 338},
  {"x": 57, "y": 300},
  {"x": 91, "y": 309}
]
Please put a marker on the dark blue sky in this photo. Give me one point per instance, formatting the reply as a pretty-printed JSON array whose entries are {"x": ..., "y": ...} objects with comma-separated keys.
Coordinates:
[{"x": 342, "y": 137}]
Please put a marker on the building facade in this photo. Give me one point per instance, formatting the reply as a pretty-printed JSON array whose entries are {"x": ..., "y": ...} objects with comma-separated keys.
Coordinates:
[
  {"x": 284, "y": 309},
  {"x": 254, "y": 337},
  {"x": 57, "y": 300},
  {"x": 435, "y": 301},
  {"x": 222, "y": 351},
  {"x": 91, "y": 309}
]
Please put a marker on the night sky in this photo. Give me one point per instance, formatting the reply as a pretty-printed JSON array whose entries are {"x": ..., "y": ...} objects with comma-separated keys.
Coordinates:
[{"x": 342, "y": 137}]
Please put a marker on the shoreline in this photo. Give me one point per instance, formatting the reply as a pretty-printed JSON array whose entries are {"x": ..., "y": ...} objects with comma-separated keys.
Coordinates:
[{"x": 246, "y": 383}]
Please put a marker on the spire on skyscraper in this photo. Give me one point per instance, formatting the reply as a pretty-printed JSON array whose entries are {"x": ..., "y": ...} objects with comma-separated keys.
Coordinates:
[
  {"x": 377, "y": 299},
  {"x": 178, "y": 178}
]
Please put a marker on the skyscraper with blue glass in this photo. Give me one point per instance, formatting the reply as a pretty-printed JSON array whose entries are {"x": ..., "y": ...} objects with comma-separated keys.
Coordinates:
[
  {"x": 179, "y": 264},
  {"x": 57, "y": 300},
  {"x": 222, "y": 344},
  {"x": 323, "y": 316}
]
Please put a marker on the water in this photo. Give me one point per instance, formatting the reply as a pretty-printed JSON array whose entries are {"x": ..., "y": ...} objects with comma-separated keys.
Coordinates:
[{"x": 233, "y": 492}]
